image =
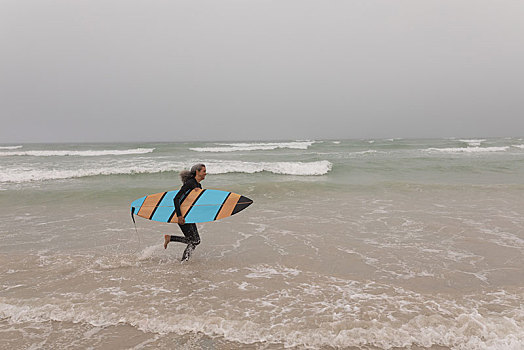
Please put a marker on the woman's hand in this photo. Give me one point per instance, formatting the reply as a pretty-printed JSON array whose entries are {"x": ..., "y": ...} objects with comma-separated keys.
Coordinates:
[{"x": 181, "y": 220}]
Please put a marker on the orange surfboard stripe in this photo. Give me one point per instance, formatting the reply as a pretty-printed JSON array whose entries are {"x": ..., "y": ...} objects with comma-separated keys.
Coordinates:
[
  {"x": 228, "y": 206},
  {"x": 150, "y": 204}
]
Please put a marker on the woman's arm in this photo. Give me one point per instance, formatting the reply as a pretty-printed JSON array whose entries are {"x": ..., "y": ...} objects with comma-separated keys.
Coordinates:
[{"x": 183, "y": 192}]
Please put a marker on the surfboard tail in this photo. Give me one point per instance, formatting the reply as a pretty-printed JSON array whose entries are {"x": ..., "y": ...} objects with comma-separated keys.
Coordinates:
[{"x": 135, "y": 207}]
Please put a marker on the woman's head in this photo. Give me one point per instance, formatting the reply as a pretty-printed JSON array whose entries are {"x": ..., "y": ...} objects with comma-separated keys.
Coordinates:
[{"x": 197, "y": 170}]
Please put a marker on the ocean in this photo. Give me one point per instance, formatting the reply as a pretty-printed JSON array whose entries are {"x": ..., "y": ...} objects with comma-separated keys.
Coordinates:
[{"x": 349, "y": 244}]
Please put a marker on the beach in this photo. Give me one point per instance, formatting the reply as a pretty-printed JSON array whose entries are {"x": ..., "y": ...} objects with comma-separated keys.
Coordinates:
[{"x": 349, "y": 244}]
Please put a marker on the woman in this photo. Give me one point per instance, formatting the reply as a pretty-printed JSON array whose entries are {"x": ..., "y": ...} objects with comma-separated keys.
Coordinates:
[{"x": 191, "y": 180}]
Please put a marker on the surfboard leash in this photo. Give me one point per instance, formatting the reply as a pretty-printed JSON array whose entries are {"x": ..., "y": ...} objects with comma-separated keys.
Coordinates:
[{"x": 136, "y": 230}]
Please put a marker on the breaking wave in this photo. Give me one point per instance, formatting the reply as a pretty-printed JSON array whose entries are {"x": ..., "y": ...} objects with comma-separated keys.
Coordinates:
[
  {"x": 473, "y": 142},
  {"x": 284, "y": 168},
  {"x": 468, "y": 149},
  {"x": 10, "y": 147},
  {"x": 88, "y": 153},
  {"x": 262, "y": 146},
  {"x": 222, "y": 167}
]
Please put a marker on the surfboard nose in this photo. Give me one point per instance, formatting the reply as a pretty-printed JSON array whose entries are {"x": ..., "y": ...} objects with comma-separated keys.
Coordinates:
[{"x": 243, "y": 203}]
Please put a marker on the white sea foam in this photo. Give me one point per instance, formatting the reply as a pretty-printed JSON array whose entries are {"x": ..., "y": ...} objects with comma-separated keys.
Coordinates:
[
  {"x": 10, "y": 147},
  {"x": 21, "y": 175},
  {"x": 468, "y": 149},
  {"x": 265, "y": 271},
  {"x": 285, "y": 168},
  {"x": 87, "y": 153},
  {"x": 262, "y": 146},
  {"x": 365, "y": 152},
  {"x": 467, "y": 330},
  {"x": 518, "y": 146}
]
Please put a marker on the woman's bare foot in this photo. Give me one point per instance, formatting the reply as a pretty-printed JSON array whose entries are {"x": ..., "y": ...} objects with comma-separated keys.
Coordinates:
[{"x": 167, "y": 238}]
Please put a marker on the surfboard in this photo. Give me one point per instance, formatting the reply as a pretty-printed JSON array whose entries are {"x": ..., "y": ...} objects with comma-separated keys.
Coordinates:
[{"x": 199, "y": 206}]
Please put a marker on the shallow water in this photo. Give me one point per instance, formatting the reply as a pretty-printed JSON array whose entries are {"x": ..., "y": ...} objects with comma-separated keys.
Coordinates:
[{"x": 392, "y": 245}]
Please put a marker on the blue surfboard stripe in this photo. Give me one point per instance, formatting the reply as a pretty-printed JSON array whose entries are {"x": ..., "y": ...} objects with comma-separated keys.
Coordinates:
[
  {"x": 207, "y": 206},
  {"x": 137, "y": 203},
  {"x": 165, "y": 207}
]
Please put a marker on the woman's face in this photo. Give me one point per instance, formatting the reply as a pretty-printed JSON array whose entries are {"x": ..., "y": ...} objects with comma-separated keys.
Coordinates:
[{"x": 201, "y": 173}]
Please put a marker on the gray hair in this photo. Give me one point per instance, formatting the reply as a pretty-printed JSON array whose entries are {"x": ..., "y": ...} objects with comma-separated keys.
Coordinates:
[{"x": 186, "y": 175}]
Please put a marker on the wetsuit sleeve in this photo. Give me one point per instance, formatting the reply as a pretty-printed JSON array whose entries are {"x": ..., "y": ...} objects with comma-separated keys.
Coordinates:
[
  {"x": 176, "y": 200},
  {"x": 184, "y": 191}
]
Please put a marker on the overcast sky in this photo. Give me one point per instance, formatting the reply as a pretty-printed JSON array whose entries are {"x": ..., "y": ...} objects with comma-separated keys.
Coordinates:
[{"x": 259, "y": 69}]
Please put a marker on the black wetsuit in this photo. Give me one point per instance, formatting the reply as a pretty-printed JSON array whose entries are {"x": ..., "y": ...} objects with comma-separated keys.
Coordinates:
[{"x": 191, "y": 237}]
